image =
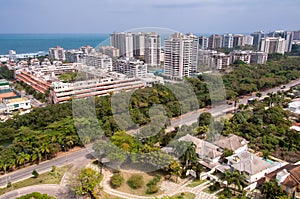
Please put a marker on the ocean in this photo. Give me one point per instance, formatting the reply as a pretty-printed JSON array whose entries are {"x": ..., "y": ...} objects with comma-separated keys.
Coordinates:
[{"x": 32, "y": 43}]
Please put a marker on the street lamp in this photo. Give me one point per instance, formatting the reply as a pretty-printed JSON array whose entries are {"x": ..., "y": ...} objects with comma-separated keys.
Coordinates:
[{"x": 63, "y": 146}]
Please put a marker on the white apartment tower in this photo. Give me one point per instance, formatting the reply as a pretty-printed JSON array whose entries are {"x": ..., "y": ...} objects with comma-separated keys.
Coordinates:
[
  {"x": 123, "y": 42},
  {"x": 181, "y": 55},
  {"x": 272, "y": 45},
  {"x": 139, "y": 44},
  {"x": 57, "y": 53},
  {"x": 152, "y": 49},
  {"x": 227, "y": 41}
]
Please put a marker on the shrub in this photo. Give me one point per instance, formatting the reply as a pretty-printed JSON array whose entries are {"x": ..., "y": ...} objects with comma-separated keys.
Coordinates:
[
  {"x": 152, "y": 189},
  {"x": 35, "y": 174},
  {"x": 36, "y": 195},
  {"x": 135, "y": 181},
  {"x": 116, "y": 180},
  {"x": 154, "y": 181}
]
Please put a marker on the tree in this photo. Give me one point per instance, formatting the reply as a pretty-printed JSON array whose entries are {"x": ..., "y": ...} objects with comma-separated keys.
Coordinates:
[
  {"x": 116, "y": 180},
  {"x": 204, "y": 119},
  {"x": 226, "y": 153},
  {"x": 258, "y": 94},
  {"x": 174, "y": 170},
  {"x": 35, "y": 174},
  {"x": 85, "y": 181},
  {"x": 271, "y": 190},
  {"x": 135, "y": 181}
]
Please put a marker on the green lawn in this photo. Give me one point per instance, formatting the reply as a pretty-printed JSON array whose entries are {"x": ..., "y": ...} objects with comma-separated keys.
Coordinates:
[
  {"x": 45, "y": 178},
  {"x": 195, "y": 183},
  {"x": 140, "y": 191}
]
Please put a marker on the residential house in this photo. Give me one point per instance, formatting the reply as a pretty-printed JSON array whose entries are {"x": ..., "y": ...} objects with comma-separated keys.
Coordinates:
[
  {"x": 251, "y": 166},
  {"x": 206, "y": 151},
  {"x": 233, "y": 142},
  {"x": 288, "y": 177}
]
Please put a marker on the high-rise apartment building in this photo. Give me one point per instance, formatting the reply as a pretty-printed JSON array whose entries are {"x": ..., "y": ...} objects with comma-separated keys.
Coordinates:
[
  {"x": 273, "y": 45},
  {"x": 227, "y": 41},
  {"x": 152, "y": 49},
  {"x": 57, "y": 53},
  {"x": 181, "y": 55},
  {"x": 257, "y": 36},
  {"x": 203, "y": 42},
  {"x": 139, "y": 44},
  {"x": 287, "y": 35},
  {"x": 249, "y": 40},
  {"x": 214, "y": 41},
  {"x": 124, "y": 42},
  {"x": 238, "y": 40},
  {"x": 296, "y": 35}
]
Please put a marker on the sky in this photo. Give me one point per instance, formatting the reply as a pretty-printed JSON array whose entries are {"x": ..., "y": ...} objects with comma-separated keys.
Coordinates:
[{"x": 105, "y": 16}]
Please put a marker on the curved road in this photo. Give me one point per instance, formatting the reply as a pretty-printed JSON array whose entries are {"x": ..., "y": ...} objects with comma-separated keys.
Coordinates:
[{"x": 60, "y": 192}]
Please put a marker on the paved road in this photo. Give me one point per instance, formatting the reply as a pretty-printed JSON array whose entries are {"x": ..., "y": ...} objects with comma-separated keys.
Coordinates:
[
  {"x": 60, "y": 192},
  {"x": 75, "y": 156},
  {"x": 42, "y": 167},
  {"x": 221, "y": 109}
]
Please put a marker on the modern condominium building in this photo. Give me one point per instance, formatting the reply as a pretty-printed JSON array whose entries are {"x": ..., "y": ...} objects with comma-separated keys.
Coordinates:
[
  {"x": 215, "y": 41},
  {"x": 139, "y": 44},
  {"x": 130, "y": 67},
  {"x": 152, "y": 49},
  {"x": 227, "y": 41},
  {"x": 123, "y": 42},
  {"x": 181, "y": 55},
  {"x": 109, "y": 51},
  {"x": 273, "y": 45},
  {"x": 257, "y": 36},
  {"x": 249, "y": 40},
  {"x": 57, "y": 53},
  {"x": 100, "y": 61},
  {"x": 203, "y": 42},
  {"x": 238, "y": 40}
]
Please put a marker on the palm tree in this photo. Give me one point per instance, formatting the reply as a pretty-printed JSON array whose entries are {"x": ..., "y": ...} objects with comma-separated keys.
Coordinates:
[
  {"x": 189, "y": 155},
  {"x": 45, "y": 149},
  {"x": 22, "y": 158},
  {"x": 238, "y": 180},
  {"x": 36, "y": 155}
]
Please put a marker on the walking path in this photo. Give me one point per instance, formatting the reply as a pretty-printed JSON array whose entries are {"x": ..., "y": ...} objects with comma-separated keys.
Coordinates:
[{"x": 169, "y": 188}]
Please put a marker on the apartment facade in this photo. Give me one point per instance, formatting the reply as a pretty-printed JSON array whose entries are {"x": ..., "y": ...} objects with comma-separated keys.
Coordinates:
[
  {"x": 57, "y": 53},
  {"x": 152, "y": 49},
  {"x": 273, "y": 45},
  {"x": 181, "y": 55}
]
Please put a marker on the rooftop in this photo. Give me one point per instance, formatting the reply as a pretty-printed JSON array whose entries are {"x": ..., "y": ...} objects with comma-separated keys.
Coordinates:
[
  {"x": 232, "y": 142},
  {"x": 248, "y": 162}
]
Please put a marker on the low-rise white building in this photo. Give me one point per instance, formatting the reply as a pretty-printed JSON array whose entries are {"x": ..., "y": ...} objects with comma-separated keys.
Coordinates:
[
  {"x": 16, "y": 104},
  {"x": 130, "y": 67},
  {"x": 294, "y": 107}
]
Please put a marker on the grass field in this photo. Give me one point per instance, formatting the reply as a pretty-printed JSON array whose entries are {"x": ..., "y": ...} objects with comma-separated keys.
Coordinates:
[
  {"x": 141, "y": 191},
  {"x": 44, "y": 178}
]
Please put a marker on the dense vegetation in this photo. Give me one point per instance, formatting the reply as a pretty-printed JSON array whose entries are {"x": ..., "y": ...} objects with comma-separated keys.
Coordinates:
[
  {"x": 266, "y": 125},
  {"x": 5, "y": 73},
  {"x": 42, "y": 133},
  {"x": 245, "y": 79}
]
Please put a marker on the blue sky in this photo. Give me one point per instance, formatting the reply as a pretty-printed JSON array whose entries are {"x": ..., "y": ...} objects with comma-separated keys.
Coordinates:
[{"x": 104, "y": 16}]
